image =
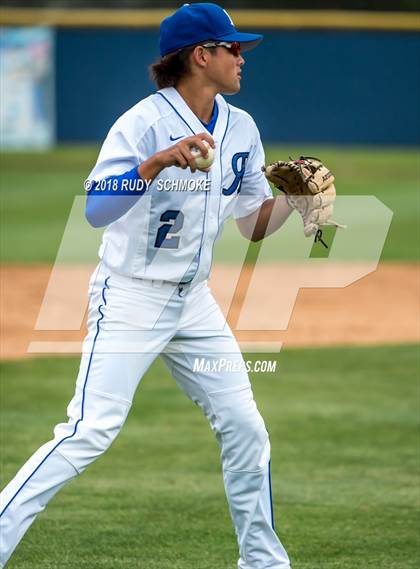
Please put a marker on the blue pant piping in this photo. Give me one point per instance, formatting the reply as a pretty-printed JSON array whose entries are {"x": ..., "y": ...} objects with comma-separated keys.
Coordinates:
[
  {"x": 271, "y": 495},
  {"x": 83, "y": 400}
]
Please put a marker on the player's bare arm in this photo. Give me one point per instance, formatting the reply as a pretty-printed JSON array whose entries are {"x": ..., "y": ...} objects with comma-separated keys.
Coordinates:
[{"x": 267, "y": 219}]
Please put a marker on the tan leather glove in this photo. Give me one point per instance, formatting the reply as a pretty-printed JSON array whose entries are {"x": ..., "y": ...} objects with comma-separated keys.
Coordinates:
[{"x": 309, "y": 188}]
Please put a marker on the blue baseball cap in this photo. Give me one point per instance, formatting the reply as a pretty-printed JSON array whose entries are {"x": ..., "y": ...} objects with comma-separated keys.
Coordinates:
[{"x": 194, "y": 23}]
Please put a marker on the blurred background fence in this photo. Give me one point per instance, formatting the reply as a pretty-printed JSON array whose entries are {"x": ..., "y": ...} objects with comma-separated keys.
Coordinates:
[{"x": 320, "y": 76}]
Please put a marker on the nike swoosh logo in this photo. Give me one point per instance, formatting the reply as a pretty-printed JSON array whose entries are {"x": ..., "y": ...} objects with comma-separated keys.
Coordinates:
[{"x": 175, "y": 138}]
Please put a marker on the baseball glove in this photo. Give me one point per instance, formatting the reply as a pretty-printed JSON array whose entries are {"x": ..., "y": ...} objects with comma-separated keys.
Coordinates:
[{"x": 309, "y": 188}]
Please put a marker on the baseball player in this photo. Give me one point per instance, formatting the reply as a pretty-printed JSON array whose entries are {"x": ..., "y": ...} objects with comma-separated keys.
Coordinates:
[{"x": 149, "y": 294}]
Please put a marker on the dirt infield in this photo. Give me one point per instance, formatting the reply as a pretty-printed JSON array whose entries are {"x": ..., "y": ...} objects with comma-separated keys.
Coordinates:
[{"x": 382, "y": 307}]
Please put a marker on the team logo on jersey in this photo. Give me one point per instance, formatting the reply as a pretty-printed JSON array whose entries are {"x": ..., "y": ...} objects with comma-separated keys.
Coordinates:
[{"x": 238, "y": 166}]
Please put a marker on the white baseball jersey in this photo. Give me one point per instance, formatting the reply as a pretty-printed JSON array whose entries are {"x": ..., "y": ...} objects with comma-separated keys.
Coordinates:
[
  {"x": 169, "y": 235},
  {"x": 165, "y": 239}
]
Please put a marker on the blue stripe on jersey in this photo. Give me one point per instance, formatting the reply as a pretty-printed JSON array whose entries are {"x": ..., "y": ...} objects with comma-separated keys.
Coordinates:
[
  {"x": 221, "y": 186},
  {"x": 82, "y": 411},
  {"x": 100, "y": 212},
  {"x": 189, "y": 275},
  {"x": 171, "y": 105},
  {"x": 198, "y": 255},
  {"x": 215, "y": 113},
  {"x": 220, "y": 197}
]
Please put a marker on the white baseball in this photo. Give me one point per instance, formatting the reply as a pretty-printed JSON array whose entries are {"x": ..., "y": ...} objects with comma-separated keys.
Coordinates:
[{"x": 201, "y": 162}]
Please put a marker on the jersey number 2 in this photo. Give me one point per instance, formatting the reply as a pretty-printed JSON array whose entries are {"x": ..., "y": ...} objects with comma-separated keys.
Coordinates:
[{"x": 166, "y": 236}]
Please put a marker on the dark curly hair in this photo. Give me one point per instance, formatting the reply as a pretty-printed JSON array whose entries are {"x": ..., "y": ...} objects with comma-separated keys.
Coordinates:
[{"x": 167, "y": 71}]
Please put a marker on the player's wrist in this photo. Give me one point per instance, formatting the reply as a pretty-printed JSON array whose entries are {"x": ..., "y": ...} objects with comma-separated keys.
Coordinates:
[
  {"x": 159, "y": 160},
  {"x": 150, "y": 168}
]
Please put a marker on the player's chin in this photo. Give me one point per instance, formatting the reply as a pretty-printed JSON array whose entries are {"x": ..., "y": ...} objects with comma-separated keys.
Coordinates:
[{"x": 233, "y": 88}]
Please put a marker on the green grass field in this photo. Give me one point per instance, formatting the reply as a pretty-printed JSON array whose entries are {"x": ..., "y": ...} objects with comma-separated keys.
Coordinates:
[
  {"x": 344, "y": 463},
  {"x": 38, "y": 191},
  {"x": 343, "y": 421}
]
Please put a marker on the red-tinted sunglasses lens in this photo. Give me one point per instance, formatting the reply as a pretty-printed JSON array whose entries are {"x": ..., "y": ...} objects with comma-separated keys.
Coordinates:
[{"x": 235, "y": 48}]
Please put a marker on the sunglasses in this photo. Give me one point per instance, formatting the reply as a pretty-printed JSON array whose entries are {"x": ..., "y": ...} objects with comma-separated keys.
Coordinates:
[{"x": 233, "y": 46}]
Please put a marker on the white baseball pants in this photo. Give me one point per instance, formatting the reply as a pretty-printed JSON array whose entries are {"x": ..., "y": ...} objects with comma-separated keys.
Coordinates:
[{"x": 131, "y": 322}]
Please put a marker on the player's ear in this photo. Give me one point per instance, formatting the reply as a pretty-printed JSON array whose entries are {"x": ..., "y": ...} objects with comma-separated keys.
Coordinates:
[{"x": 200, "y": 56}]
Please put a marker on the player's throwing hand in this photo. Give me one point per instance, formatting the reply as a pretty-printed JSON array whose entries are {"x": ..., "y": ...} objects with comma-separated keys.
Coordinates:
[
  {"x": 180, "y": 154},
  {"x": 177, "y": 155}
]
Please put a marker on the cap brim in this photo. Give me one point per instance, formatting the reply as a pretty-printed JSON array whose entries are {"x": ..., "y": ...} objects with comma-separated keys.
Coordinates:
[{"x": 247, "y": 41}]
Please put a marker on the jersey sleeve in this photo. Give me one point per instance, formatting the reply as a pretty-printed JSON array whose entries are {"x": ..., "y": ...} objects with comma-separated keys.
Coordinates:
[
  {"x": 124, "y": 148},
  {"x": 128, "y": 143},
  {"x": 255, "y": 188},
  {"x": 119, "y": 153}
]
